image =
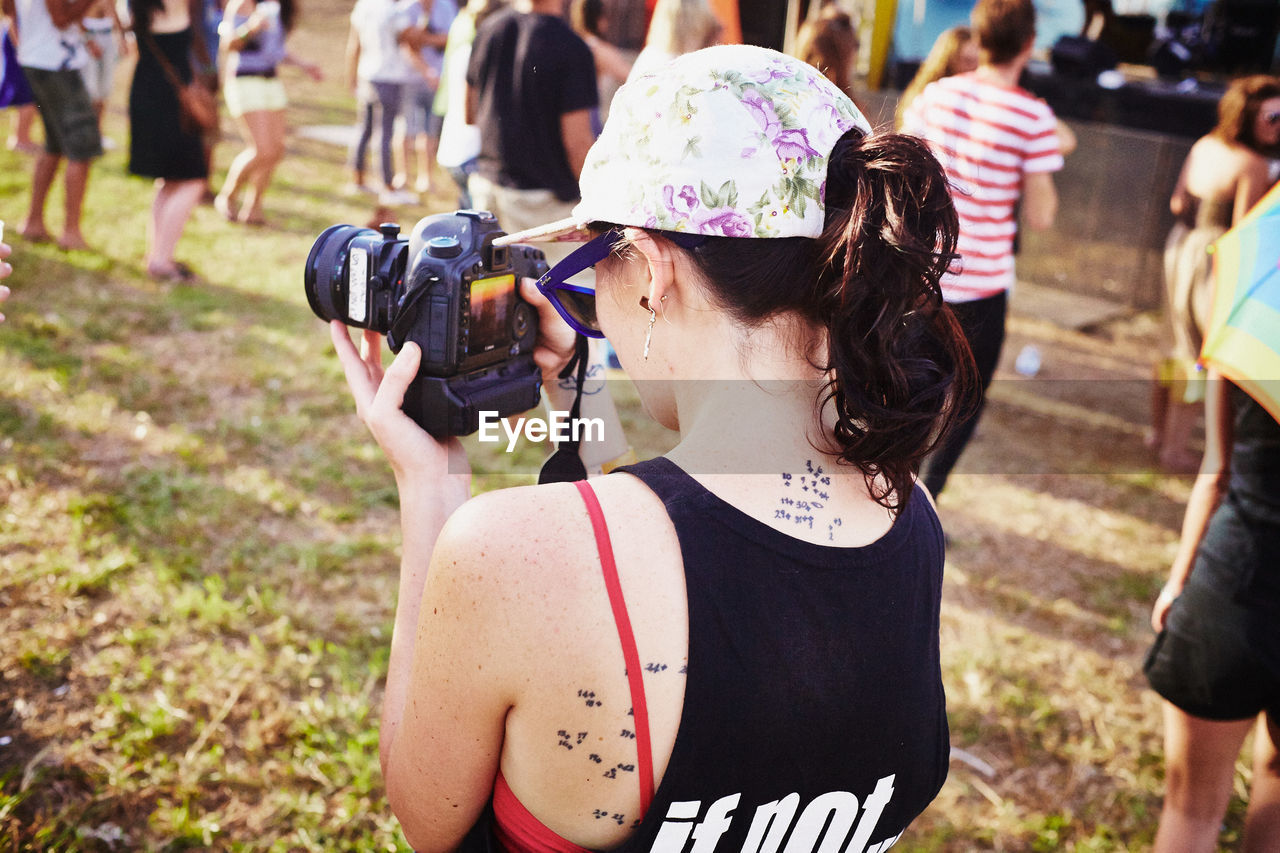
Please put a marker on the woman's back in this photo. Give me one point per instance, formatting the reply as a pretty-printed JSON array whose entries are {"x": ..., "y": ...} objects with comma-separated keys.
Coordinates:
[
  {"x": 775, "y": 630},
  {"x": 813, "y": 683},
  {"x": 1214, "y": 169}
]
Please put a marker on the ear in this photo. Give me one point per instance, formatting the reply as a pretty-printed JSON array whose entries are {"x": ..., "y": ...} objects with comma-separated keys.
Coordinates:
[{"x": 659, "y": 260}]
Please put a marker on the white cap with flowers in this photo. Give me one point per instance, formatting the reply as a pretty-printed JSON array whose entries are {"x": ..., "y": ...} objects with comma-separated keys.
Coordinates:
[{"x": 727, "y": 141}]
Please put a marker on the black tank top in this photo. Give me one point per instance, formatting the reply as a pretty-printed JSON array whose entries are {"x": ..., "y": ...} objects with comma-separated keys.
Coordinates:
[{"x": 814, "y": 716}]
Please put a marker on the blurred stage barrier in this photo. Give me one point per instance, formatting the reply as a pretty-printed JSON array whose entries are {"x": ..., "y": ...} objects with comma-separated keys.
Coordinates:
[{"x": 1113, "y": 212}]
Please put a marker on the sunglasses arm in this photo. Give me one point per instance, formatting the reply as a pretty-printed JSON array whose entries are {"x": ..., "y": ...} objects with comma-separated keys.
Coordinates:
[{"x": 597, "y": 405}]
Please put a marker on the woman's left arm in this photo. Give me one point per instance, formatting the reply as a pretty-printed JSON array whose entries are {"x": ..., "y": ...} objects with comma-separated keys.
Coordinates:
[
  {"x": 433, "y": 479},
  {"x": 311, "y": 69},
  {"x": 444, "y": 717},
  {"x": 1206, "y": 492},
  {"x": 500, "y": 607}
]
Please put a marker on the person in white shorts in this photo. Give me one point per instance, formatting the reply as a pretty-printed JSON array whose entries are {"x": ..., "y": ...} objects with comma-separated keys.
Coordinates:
[{"x": 104, "y": 38}]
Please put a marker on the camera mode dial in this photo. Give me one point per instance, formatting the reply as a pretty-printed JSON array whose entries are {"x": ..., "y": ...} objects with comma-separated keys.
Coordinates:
[{"x": 444, "y": 247}]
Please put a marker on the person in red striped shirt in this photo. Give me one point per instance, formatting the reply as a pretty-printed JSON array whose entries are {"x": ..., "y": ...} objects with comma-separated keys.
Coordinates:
[{"x": 999, "y": 144}]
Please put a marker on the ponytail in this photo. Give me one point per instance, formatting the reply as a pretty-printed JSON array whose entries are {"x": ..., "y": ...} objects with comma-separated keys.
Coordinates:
[{"x": 900, "y": 373}]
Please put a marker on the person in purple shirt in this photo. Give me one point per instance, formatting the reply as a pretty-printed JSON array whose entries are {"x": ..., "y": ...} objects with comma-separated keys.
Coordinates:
[{"x": 253, "y": 33}]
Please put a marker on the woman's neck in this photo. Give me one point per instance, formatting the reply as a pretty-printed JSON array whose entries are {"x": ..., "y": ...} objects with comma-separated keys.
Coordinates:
[
  {"x": 764, "y": 448},
  {"x": 748, "y": 425},
  {"x": 754, "y": 431},
  {"x": 753, "y": 399},
  {"x": 171, "y": 16}
]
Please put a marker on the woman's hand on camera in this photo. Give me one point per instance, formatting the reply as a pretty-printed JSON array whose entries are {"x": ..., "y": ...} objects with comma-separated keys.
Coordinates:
[
  {"x": 379, "y": 395},
  {"x": 555, "y": 339}
]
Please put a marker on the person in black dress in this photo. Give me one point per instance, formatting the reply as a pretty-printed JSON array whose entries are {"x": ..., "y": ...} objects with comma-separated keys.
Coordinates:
[
  {"x": 159, "y": 146},
  {"x": 1216, "y": 659}
]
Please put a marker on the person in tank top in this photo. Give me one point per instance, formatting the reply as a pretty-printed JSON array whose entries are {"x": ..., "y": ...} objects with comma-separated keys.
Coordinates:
[
  {"x": 1226, "y": 172},
  {"x": 733, "y": 646}
]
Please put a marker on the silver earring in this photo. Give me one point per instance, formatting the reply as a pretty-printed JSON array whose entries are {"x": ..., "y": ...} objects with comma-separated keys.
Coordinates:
[{"x": 653, "y": 318}]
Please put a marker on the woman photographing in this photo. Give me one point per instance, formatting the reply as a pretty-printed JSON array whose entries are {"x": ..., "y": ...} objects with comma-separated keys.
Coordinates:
[{"x": 736, "y": 643}]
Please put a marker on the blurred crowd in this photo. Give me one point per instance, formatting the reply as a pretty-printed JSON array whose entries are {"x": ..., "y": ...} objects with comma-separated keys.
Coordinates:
[{"x": 193, "y": 61}]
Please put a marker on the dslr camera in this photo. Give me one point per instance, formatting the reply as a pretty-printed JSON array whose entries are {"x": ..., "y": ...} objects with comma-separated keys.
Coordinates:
[{"x": 453, "y": 293}]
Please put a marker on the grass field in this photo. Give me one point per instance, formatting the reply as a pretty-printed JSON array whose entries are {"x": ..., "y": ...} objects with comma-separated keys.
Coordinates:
[{"x": 198, "y": 550}]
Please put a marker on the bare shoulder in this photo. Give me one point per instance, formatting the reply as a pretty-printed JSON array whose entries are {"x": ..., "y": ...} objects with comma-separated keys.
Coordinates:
[
  {"x": 1254, "y": 164},
  {"x": 533, "y": 520},
  {"x": 520, "y": 546},
  {"x": 1209, "y": 153},
  {"x": 504, "y": 535}
]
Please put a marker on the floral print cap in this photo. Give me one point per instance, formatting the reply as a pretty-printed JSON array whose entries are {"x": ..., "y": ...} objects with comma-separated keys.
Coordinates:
[{"x": 727, "y": 141}]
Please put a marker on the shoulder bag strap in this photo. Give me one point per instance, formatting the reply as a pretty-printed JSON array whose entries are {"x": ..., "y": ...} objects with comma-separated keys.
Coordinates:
[
  {"x": 165, "y": 65},
  {"x": 630, "y": 654}
]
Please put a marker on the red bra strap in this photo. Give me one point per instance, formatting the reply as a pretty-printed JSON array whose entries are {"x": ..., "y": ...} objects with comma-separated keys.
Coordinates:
[{"x": 630, "y": 654}]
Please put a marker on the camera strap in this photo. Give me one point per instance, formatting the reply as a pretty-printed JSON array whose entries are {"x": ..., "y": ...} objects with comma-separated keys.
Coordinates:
[{"x": 565, "y": 465}]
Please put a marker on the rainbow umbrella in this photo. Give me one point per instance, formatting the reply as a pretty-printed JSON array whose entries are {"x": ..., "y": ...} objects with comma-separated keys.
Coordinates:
[{"x": 1242, "y": 340}]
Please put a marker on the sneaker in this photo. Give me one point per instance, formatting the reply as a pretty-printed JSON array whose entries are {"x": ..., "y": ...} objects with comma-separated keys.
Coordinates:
[
  {"x": 397, "y": 198},
  {"x": 353, "y": 189}
]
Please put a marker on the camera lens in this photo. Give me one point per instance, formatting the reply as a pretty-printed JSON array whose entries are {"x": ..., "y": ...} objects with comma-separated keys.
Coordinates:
[{"x": 323, "y": 278}]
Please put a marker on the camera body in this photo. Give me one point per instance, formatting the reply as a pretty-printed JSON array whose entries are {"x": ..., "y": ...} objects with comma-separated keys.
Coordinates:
[{"x": 453, "y": 293}]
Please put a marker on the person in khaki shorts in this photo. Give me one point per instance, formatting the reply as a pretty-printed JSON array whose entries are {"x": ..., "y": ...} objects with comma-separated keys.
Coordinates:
[
  {"x": 51, "y": 52},
  {"x": 533, "y": 107}
]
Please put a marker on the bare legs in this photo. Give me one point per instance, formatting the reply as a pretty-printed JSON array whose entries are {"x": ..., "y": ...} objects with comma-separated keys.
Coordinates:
[
  {"x": 20, "y": 138},
  {"x": 1173, "y": 419},
  {"x": 421, "y": 149},
  {"x": 1262, "y": 822},
  {"x": 1200, "y": 760},
  {"x": 427, "y": 148},
  {"x": 77, "y": 180},
  {"x": 170, "y": 210},
  {"x": 263, "y": 132}
]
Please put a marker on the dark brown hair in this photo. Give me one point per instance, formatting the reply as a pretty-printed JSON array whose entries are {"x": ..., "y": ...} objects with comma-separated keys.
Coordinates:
[
  {"x": 1003, "y": 28},
  {"x": 1238, "y": 109},
  {"x": 900, "y": 370},
  {"x": 288, "y": 14}
]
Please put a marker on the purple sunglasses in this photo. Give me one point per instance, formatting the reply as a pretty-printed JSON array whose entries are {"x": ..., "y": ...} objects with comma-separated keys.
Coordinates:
[{"x": 577, "y": 303}]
